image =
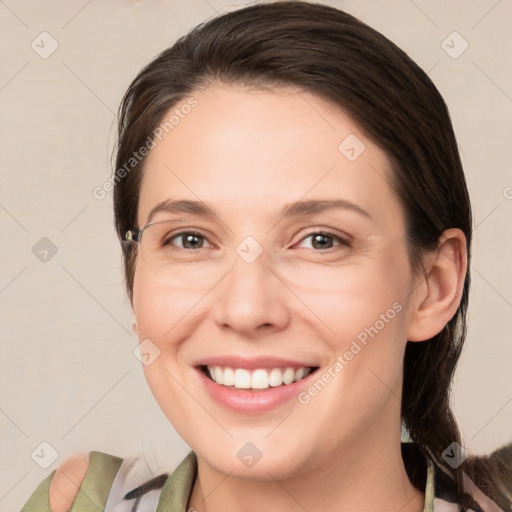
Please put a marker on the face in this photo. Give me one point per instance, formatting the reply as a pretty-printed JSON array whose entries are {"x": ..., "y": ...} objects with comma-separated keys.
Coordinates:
[{"x": 299, "y": 276}]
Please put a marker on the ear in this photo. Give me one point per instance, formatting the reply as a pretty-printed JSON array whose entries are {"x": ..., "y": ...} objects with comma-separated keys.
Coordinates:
[{"x": 437, "y": 294}]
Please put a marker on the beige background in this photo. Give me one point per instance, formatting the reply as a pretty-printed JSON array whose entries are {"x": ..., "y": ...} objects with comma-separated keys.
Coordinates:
[{"x": 68, "y": 374}]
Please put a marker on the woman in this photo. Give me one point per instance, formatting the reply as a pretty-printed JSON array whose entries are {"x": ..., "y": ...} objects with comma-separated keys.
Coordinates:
[{"x": 296, "y": 233}]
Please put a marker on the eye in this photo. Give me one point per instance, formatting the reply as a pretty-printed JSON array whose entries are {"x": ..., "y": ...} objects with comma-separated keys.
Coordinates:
[
  {"x": 323, "y": 240},
  {"x": 190, "y": 240}
]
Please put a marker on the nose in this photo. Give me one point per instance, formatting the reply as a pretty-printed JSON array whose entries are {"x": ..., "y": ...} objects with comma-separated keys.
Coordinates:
[{"x": 251, "y": 299}]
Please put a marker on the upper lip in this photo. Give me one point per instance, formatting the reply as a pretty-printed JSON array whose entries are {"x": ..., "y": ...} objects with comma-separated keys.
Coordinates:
[{"x": 252, "y": 362}]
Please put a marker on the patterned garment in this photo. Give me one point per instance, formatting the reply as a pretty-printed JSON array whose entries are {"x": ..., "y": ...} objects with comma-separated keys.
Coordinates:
[{"x": 113, "y": 484}]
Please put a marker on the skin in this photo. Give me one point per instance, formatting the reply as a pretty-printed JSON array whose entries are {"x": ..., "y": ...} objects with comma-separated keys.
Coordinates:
[
  {"x": 246, "y": 153},
  {"x": 66, "y": 482}
]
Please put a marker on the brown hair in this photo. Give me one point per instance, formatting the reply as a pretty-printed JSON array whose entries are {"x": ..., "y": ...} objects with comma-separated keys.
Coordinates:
[{"x": 330, "y": 53}]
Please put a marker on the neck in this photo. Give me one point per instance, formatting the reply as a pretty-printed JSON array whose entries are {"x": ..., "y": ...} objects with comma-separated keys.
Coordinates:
[{"x": 367, "y": 476}]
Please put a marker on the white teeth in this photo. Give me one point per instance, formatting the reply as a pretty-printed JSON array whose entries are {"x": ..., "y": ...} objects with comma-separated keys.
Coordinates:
[
  {"x": 300, "y": 373},
  {"x": 242, "y": 378},
  {"x": 288, "y": 375},
  {"x": 260, "y": 378},
  {"x": 275, "y": 378},
  {"x": 218, "y": 375},
  {"x": 228, "y": 378}
]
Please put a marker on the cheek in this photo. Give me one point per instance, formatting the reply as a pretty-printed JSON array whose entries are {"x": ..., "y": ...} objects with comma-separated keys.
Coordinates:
[
  {"x": 370, "y": 295},
  {"x": 363, "y": 378},
  {"x": 162, "y": 314},
  {"x": 377, "y": 313},
  {"x": 161, "y": 310},
  {"x": 366, "y": 310}
]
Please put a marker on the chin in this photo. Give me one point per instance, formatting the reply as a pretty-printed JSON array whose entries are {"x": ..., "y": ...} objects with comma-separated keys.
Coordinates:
[{"x": 259, "y": 460}]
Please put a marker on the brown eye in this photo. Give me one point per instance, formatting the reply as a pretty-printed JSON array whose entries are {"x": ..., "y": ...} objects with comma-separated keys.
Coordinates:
[
  {"x": 322, "y": 240},
  {"x": 189, "y": 240}
]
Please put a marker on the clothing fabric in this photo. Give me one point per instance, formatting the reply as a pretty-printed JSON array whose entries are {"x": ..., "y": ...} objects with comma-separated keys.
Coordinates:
[{"x": 113, "y": 484}]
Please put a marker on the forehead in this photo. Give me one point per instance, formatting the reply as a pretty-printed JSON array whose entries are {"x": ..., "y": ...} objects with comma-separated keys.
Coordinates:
[{"x": 253, "y": 150}]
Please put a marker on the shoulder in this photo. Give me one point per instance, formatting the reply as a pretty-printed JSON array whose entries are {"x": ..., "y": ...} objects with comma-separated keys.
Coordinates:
[
  {"x": 66, "y": 482},
  {"x": 104, "y": 482},
  {"x": 75, "y": 482}
]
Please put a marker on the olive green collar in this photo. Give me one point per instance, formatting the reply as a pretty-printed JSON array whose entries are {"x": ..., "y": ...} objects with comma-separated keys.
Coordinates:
[{"x": 177, "y": 490}]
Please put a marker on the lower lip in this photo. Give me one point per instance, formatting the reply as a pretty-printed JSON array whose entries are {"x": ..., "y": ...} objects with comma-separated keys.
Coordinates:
[{"x": 253, "y": 402}]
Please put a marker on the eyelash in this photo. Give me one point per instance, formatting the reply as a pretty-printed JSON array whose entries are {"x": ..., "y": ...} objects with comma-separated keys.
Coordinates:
[{"x": 343, "y": 242}]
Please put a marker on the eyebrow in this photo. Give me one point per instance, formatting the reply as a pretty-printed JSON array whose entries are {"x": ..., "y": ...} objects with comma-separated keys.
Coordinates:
[{"x": 296, "y": 209}]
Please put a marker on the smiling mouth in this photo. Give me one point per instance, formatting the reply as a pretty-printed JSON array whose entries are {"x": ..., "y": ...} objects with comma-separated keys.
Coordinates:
[{"x": 258, "y": 379}]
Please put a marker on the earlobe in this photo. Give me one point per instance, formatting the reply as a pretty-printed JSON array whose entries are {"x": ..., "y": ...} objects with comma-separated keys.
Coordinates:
[{"x": 440, "y": 292}]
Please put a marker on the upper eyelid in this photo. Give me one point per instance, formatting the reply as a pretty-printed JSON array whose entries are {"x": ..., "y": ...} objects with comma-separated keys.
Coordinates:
[
  {"x": 344, "y": 239},
  {"x": 325, "y": 232},
  {"x": 191, "y": 232}
]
